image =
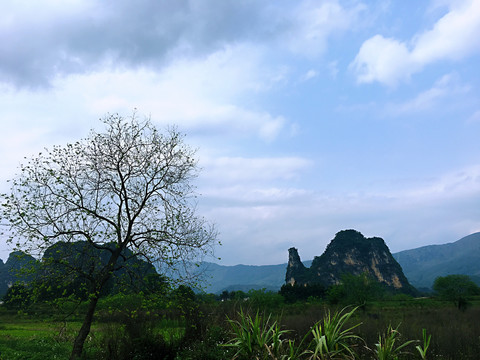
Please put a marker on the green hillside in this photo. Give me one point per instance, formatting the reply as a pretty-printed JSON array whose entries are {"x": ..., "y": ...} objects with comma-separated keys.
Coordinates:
[
  {"x": 217, "y": 278},
  {"x": 241, "y": 277},
  {"x": 422, "y": 265}
]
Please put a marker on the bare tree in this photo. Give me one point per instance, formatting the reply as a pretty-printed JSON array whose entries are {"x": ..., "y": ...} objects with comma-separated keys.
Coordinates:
[{"x": 129, "y": 186}]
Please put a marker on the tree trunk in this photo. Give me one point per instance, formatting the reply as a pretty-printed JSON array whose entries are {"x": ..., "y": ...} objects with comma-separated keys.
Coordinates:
[
  {"x": 94, "y": 296},
  {"x": 85, "y": 329}
]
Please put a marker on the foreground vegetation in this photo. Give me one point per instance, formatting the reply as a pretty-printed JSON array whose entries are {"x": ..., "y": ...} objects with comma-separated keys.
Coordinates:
[{"x": 260, "y": 325}]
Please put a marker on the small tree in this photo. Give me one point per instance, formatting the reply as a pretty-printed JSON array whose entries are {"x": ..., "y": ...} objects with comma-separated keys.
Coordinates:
[
  {"x": 129, "y": 186},
  {"x": 355, "y": 290},
  {"x": 456, "y": 288}
]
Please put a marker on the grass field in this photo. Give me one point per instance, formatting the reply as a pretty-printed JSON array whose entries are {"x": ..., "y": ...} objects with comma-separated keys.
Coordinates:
[
  {"x": 22, "y": 338},
  {"x": 455, "y": 334}
]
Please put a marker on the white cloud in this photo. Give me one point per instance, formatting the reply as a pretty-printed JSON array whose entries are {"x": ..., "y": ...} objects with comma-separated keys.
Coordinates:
[
  {"x": 248, "y": 196},
  {"x": 32, "y": 121},
  {"x": 314, "y": 22},
  {"x": 232, "y": 120},
  {"x": 463, "y": 183},
  {"x": 49, "y": 38},
  {"x": 475, "y": 117},
  {"x": 14, "y": 147},
  {"x": 198, "y": 95},
  {"x": 310, "y": 74},
  {"x": 454, "y": 36},
  {"x": 253, "y": 201},
  {"x": 384, "y": 60},
  {"x": 447, "y": 86},
  {"x": 460, "y": 185},
  {"x": 241, "y": 169},
  {"x": 204, "y": 95},
  {"x": 333, "y": 69}
]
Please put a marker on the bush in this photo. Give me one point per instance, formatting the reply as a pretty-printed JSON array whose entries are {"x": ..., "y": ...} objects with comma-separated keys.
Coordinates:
[
  {"x": 456, "y": 288},
  {"x": 262, "y": 299},
  {"x": 256, "y": 337},
  {"x": 294, "y": 293},
  {"x": 208, "y": 347},
  {"x": 355, "y": 290},
  {"x": 18, "y": 297}
]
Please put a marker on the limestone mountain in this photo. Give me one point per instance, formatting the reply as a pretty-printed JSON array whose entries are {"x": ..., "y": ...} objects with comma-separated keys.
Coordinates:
[
  {"x": 349, "y": 253},
  {"x": 15, "y": 269},
  {"x": 68, "y": 267}
]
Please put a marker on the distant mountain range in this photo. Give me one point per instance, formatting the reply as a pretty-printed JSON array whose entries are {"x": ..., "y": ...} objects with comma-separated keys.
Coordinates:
[
  {"x": 421, "y": 266},
  {"x": 242, "y": 277}
]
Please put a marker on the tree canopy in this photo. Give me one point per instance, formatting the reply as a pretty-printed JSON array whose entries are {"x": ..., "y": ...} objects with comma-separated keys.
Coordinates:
[
  {"x": 456, "y": 288},
  {"x": 355, "y": 290},
  {"x": 128, "y": 187}
]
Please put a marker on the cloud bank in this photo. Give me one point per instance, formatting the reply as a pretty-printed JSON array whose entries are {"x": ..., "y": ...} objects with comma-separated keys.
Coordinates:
[
  {"x": 389, "y": 61},
  {"x": 55, "y": 39}
]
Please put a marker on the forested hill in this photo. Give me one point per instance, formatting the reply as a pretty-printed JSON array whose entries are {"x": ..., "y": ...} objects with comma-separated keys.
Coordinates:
[
  {"x": 69, "y": 266},
  {"x": 422, "y": 265},
  {"x": 242, "y": 277},
  {"x": 11, "y": 270}
]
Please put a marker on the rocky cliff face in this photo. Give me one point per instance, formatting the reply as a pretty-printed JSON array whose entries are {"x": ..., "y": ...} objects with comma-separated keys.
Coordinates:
[
  {"x": 15, "y": 269},
  {"x": 349, "y": 252},
  {"x": 297, "y": 273}
]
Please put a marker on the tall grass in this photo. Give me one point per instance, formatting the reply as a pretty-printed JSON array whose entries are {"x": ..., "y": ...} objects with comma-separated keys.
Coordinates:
[
  {"x": 332, "y": 338},
  {"x": 260, "y": 337},
  {"x": 389, "y": 346},
  {"x": 256, "y": 337},
  {"x": 452, "y": 335}
]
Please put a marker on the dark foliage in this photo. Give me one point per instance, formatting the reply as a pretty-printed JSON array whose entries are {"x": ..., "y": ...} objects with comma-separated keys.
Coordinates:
[
  {"x": 356, "y": 290},
  {"x": 18, "y": 297},
  {"x": 232, "y": 295},
  {"x": 67, "y": 270},
  {"x": 294, "y": 293},
  {"x": 456, "y": 288}
]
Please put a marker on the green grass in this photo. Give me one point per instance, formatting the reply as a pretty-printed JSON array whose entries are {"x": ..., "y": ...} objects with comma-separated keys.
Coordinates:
[
  {"x": 455, "y": 335},
  {"x": 27, "y": 338},
  {"x": 22, "y": 339},
  {"x": 170, "y": 330}
]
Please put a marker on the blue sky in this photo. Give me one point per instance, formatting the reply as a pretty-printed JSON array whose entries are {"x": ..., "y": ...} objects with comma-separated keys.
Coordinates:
[{"x": 310, "y": 116}]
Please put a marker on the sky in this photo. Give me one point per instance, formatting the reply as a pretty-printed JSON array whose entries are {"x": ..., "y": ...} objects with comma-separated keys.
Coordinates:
[{"x": 309, "y": 117}]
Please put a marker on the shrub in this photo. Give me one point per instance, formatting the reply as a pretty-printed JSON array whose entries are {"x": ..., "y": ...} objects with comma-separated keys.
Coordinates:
[
  {"x": 386, "y": 348},
  {"x": 256, "y": 338},
  {"x": 456, "y": 288},
  {"x": 332, "y": 338}
]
